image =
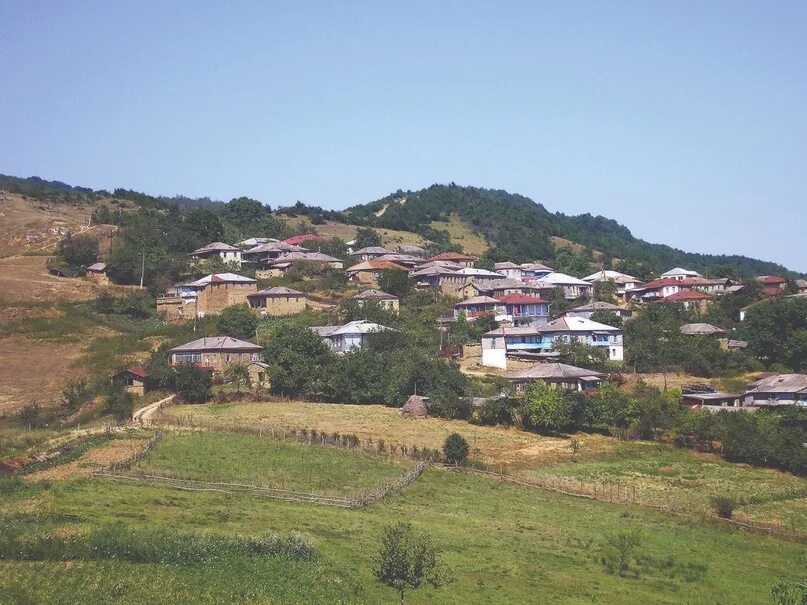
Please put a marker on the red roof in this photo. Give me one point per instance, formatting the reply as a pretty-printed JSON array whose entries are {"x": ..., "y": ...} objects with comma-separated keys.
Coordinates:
[
  {"x": 296, "y": 240},
  {"x": 521, "y": 299},
  {"x": 771, "y": 279},
  {"x": 385, "y": 264},
  {"x": 138, "y": 371},
  {"x": 687, "y": 295},
  {"x": 455, "y": 256}
]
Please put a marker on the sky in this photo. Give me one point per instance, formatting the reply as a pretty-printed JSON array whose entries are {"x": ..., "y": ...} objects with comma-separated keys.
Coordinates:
[{"x": 685, "y": 121}]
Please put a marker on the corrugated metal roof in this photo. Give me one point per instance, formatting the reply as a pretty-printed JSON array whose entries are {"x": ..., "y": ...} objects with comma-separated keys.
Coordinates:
[{"x": 216, "y": 343}]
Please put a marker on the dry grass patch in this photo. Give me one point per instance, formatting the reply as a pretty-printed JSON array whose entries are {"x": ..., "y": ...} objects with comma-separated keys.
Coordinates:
[
  {"x": 111, "y": 452},
  {"x": 495, "y": 446},
  {"x": 462, "y": 234}
]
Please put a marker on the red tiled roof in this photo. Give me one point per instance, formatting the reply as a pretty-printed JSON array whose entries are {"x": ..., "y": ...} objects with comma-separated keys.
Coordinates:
[
  {"x": 452, "y": 256},
  {"x": 138, "y": 371},
  {"x": 686, "y": 295},
  {"x": 521, "y": 299},
  {"x": 385, "y": 264},
  {"x": 771, "y": 279},
  {"x": 296, "y": 240}
]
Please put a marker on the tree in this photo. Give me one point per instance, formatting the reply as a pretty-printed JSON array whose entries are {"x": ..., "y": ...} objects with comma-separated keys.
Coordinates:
[
  {"x": 577, "y": 353},
  {"x": 193, "y": 384},
  {"x": 572, "y": 263},
  {"x": 366, "y": 237},
  {"x": 609, "y": 318},
  {"x": 407, "y": 559},
  {"x": 78, "y": 251},
  {"x": 29, "y": 416},
  {"x": 547, "y": 407},
  {"x": 776, "y": 332},
  {"x": 205, "y": 224},
  {"x": 74, "y": 395},
  {"x": 161, "y": 374},
  {"x": 119, "y": 403},
  {"x": 395, "y": 282},
  {"x": 237, "y": 374},
  {"x": 455, "y": 449},
  {"x": 605, "y": 291},
  {"x": 297, "y": 358},
  {"x": 237, "y": 321}
]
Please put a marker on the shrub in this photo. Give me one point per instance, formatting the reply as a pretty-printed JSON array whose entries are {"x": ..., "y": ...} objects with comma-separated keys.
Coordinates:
[
  {"x": 237, "y": 321},
  {"x": 119, "y": 403},
  {"x": 193, "y": 384},
  {"x": 455, "y": 449},
  {"x": 620, "y": 552},
  {"x": 29, "y": 416},
  {"x": 407, "y": 559},
  {"x": 724, "y": 506}
]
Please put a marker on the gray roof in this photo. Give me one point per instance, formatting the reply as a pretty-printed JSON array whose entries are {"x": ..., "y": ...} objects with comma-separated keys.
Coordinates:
[
  {"x": 477, "y": 300},
  {"x": 372, "y": 250},
  {"x": 216, "y": 343},
  {"x": 97, "y": 267},
  {"x": 780, "y": 383},
  {"x": 317, "y": 257},
  {"x": 353, "y": 327},
  {"x": 701, "y": 329},
  {"x": 598, "y": 306},
  {"x": 275, "y": 291},
  {"x": 216, "y": 247},
  {"x": 554, "y": 371},
  {"x": 375, "y": 295}
]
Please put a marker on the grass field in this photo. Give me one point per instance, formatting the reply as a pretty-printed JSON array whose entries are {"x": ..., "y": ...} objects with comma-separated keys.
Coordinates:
[
  {"x": 496, "y": 446},
  {"x": 462, "y": 234},
  {"x": 235, "y": 458},
  {"x": 685, "y": 479},
  {"x": 502, "y": 543}
]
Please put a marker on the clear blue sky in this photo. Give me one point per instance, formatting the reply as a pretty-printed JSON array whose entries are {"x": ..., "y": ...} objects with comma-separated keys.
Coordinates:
[{"x": 686, "y": 121}]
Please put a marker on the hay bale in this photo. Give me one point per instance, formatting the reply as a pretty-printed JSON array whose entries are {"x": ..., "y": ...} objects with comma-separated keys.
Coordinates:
[{"x": 414, "y": 407}]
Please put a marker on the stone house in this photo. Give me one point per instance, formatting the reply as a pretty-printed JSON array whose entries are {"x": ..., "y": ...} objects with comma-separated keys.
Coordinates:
[
  {"x": 133, "y": 380},
  {"x": 215, "y": 353},
  {"x": 97, "y": 273},
  {"x": 205, "y": 296},
  {"x": 226, "y": 252},
  {"x": 277, "y": 301},
  {"x": 382, "y": 299}
]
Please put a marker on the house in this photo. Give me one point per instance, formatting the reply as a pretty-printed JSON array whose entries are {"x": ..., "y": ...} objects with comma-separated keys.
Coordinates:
[
  {"x": 205, "y": 296},
  {"x": 541, "y": 341},
  {"x": 405, "y": 260},
  {"x": 352, "y": 335},
  {"x": 514, "y": 271},
  {"x": 97, "y": 273},
  {"x": 465, "y": 260},
  {"x": 503, "y": 287},
  {"x": 690, "y": 299},
  {"x": 679, "y": 273},
  {"x": 711, "y": 402},
  {"x": 772, "y": 285},
  {"x": 587, "y": 310},
  {"x": 216, "y": 353},
  {"x": 479, "y": 275},
  {"x": 572, "y": 287},
  {"x": 279, "y": 266},
  {"x": 226, "y": 252},
  {"x": 263, "y": 253},
  {"x": 523, "y": 310},
  {"x": 702, "y": 329},
  {"x": 412, "y": 250},
  {"x": 368, "y": 271},
  {"x": 256, "y": 241},
  {"x": 133, "y": 380},
  {"x": 558, "y": 375},
  {"x": 371, "y": 252},
  {"x": 780, "y": 389},
  {"x": 448, "y": 280},
  {"x": 623, "y": 282},
  {"x": 801, "y": 285},
  {"x": 277, "y": 301},
  {"x": 478, "y": 306},
  {"x": 296, "y": 240},
  {"x": 664, "y": 287},
  {"x": 382, "y": 299}
]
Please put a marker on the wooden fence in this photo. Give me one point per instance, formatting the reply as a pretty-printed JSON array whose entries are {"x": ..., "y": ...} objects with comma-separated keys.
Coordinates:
[{"x": 352, "y": 501}]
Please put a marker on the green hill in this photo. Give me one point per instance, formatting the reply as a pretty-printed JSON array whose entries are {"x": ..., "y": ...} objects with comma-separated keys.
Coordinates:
[{"x": 520, "y": 229}]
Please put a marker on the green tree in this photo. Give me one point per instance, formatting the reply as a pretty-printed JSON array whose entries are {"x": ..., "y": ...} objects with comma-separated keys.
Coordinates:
[
  {"x": 609, "y": 318},
  {"x": 572, "y": 263},
  {"x": 776, "y": 332},
  {"x": 74, "y": 395},
  {"x": 161, "y": 374},
  {"x": 395, "y": 282},
  {"x": 237, "y": 374},
  {"x": 205, "y": 224},
  {"x": 577, "y": 353},
  {"x": 78, "y": 251},
  {"x": 605, "y": 291},
  {"x": 237, "y": 321},
  {"x": 192, "y": 383},
  {"x": 407, "y": 559},
  {"x": 455, "y": 449},
  {"x": 297, "y": 358},
  {"x": 119, "y": 403},
  {"x": 547, "y": 407},
  {"x": 366, "y": 237}
]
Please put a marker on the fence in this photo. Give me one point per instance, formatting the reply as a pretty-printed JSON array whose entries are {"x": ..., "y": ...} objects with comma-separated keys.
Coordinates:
[
  {"x": 127, "y": 464},
  {"x": 353, "y": 501},
  {"x": 628, "y": 494}
]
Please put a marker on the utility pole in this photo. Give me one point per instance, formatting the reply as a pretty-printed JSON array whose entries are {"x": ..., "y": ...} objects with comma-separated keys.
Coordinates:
[{"x": 142, "y": 268}]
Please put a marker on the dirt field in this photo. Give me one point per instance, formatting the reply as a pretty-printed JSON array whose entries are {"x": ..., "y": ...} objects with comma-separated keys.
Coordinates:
[
  {"x": 114, "y": 452},
  {"x": 24, "y": 278},
  {"x": 496, "y": 446}
]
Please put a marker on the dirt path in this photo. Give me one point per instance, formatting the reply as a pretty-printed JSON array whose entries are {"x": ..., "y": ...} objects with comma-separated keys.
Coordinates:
[{"x": 145, "y": 414}]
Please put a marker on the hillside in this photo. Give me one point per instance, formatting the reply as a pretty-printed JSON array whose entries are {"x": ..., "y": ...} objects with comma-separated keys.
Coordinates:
[{"x": 522, "y": 230}]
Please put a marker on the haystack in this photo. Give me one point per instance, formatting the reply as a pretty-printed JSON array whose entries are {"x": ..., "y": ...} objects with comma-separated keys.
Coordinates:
[{"x": 414, "y": 407}]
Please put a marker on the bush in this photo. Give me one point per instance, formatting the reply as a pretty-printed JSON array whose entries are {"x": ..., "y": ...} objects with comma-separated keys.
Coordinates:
[
  {"x": 455, "y": 449},
  {"x": 120, "y": 404},
  {"x": 193, "y": 384},
  {"x": 29, "y": 416},
  {"x": 724, "y": 506},
  {"x": 620, "y": 552},
  {"x": 237, "y": 321}
]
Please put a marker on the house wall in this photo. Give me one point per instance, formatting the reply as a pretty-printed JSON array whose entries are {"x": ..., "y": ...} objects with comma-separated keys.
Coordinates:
[
  {"x": 279, "y": 305},
  {"x": 216, "y": 297},
  {"x": 176, "y": 309},
  {"x": 389, "y": 305},
  {"x": 98, "y": 278},
  {"x": 218, "y": 360}
]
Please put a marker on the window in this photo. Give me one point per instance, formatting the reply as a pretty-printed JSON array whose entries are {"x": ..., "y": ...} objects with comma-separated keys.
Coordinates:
[{"x": 187, "y": 357}]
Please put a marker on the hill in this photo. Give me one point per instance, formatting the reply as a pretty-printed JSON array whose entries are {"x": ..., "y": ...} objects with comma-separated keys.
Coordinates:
[{"x": 520, "y": 229}]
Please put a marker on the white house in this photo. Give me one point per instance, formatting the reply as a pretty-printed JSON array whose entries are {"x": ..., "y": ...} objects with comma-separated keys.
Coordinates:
[
  {"x": 352, "y": 335},
  {"x": 497, "y": 343},
  {"x": 226, "y": 252},
  {"x": 679, "y": 273},
  {"x": 572, "y": 287}
]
